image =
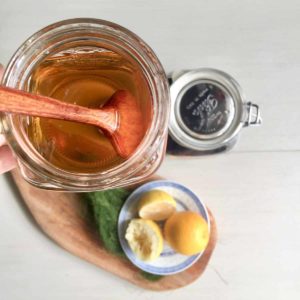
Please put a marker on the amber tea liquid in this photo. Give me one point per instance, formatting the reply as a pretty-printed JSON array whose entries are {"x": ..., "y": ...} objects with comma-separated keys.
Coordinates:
[{"x": 87, "y": 78}]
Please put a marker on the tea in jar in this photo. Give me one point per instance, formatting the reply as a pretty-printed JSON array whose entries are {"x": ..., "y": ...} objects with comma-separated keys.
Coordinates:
[{"x": 88, "y": 78}]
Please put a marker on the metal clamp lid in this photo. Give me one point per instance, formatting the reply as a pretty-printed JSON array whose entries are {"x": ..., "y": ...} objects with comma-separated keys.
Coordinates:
[{"x": 208, "y": 109}]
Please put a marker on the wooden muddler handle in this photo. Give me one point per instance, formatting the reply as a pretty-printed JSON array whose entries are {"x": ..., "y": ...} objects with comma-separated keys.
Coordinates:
[{"x": 20, "y": 102}]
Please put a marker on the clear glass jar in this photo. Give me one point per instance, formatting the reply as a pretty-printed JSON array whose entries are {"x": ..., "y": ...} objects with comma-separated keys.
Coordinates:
[{"x": 70, "y": 35}]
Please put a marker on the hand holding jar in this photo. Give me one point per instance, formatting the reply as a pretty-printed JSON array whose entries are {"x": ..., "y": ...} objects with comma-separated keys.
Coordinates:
[{"x": 7, "y": 161}]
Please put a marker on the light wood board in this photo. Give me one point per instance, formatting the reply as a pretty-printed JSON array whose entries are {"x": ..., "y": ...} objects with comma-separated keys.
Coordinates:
[{"x": 63, "y": 217}]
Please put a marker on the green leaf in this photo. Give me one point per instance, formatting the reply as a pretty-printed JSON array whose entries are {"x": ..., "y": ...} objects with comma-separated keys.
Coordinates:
[
  {"x": 151, "y": 277},
  {"x": 106, "y": 206}
]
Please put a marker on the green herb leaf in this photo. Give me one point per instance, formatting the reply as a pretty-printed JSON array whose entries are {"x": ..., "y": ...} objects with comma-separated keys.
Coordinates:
[
  {"x": 106, "y": 206},
  {"x": 151, "y": 277}
]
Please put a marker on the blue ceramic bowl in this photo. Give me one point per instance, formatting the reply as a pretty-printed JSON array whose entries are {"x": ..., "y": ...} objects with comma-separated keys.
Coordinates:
[{"x": 169, "y": 262}]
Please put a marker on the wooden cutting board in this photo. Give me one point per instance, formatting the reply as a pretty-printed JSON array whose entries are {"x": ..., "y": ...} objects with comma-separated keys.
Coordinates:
[{"x": 63, "y": 217}]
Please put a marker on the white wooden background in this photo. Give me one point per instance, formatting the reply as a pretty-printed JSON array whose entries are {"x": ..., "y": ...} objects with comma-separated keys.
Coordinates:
[{"x": 254, "y": 191}]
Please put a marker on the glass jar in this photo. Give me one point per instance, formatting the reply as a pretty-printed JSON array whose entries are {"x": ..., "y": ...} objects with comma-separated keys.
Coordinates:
[
  {"x": 208, "y": 111},
  {"x": 73, "y": 35}
]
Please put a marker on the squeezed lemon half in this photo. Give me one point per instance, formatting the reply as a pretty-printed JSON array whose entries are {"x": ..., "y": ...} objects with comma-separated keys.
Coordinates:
[
  {"x": 187, "y": 232},
  {"x": 156, "y": 205},
  {"x": 145, "y": 239}
]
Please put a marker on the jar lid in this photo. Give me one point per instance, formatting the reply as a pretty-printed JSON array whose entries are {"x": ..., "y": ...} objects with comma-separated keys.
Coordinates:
[{"x": 207, "y": 109}]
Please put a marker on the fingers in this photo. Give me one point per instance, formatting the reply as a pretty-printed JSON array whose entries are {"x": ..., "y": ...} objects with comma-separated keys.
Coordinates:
[
  {"x": 7, "y": 161},
  {"x": 2, "y": 140}
]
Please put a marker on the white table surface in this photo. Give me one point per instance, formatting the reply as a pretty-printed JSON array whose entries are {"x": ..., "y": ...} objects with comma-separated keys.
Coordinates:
[{"x": 253, "y": 191}]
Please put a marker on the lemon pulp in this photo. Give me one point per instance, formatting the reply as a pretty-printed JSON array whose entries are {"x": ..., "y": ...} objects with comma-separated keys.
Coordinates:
[{"x": 144, "y": 238}]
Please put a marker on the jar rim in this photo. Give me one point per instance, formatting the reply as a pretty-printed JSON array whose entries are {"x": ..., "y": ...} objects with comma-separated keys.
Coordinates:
[{"x": 158, "y": 86}]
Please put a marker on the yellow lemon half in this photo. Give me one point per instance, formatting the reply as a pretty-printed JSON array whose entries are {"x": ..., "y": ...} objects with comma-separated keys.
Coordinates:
[
  {"x": 156, "y": 205},
  {"x": 187, "y": 232},
  {"x": 144, "y": 238}
]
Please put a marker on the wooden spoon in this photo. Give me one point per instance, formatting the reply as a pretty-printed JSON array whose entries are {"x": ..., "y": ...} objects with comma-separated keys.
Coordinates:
[{"x": 120, "y": 118}]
